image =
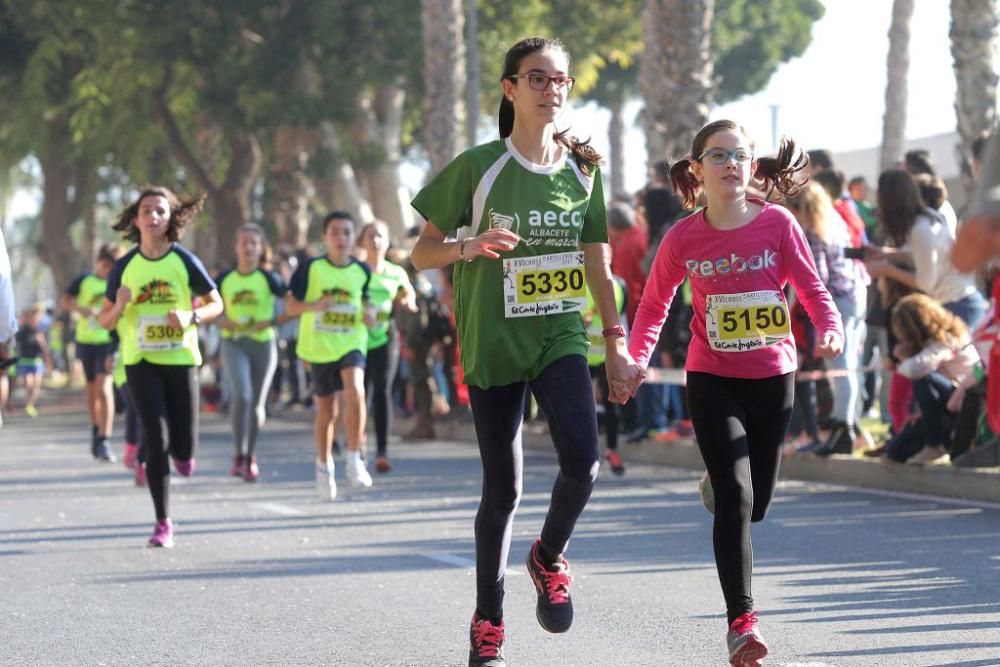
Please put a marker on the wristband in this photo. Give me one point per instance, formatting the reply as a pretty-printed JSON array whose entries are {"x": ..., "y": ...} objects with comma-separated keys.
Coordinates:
[
  {"x": 617, "y": 331},
  {"x": 461, "y": 251}
]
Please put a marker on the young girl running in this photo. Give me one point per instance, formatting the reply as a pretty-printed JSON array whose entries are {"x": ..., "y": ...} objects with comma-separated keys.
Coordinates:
[
  {"x": 331, "y": 294},
  {"x": 151, "y": 290},
  {"x": 738, "y": 252},
  {"x": 33, "y": 356},
  {"x": 94, "y": 348},
  {"x": 249, "y": 352},
  {"x": 529, "y": 209},
  {"x": 389, "y": 286}
]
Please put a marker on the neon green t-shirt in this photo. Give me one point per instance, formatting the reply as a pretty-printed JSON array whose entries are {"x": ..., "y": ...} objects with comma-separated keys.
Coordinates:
[
  {"x": 518, "y": 314},
  {"x": 88, "y": 290},
  {"x": 598, "y": 352},
  {"x": 384, "y": 288},
  {"x": 250, "y": 299},
  {"x": 330, "y": 335},
  {"x": 159, "y": 286}
]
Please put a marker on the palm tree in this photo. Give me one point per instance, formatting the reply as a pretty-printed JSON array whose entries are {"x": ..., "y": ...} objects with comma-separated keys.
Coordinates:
[
  {"x": 676, "y": 73},
  {"x": 894, "y": 122},
  {"x": 974, "y": 46},
  {"x": 444, "y": 79}
]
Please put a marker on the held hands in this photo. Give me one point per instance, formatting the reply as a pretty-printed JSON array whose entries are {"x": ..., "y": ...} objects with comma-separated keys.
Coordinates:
[
  {"x": 831, "y": 346},
  {"x": 624, "y": 375},
  {"x": 489, "y": 244}
]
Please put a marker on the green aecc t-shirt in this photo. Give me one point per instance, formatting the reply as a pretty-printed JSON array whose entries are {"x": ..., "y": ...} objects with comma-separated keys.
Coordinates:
[{"x": 518, "y": 314}]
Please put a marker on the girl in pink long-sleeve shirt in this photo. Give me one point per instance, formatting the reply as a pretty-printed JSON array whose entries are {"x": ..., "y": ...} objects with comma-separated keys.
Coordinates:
[{"x": 739, "y": 252}]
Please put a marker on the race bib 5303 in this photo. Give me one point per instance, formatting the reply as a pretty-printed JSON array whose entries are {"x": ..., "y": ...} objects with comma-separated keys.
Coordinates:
[{"x": 156, "y": 335}]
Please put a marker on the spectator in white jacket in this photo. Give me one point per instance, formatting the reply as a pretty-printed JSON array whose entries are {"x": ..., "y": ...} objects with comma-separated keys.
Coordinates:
[{"x": 8, "y": 317}]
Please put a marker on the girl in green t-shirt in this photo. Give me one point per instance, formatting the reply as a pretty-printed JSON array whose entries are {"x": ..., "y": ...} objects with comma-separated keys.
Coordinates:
[
  {"x": 152, "y": 291},
  {"x": 389, "y": 287},
  {"x": 250, "y": 292},
  {"x": 529, "y": 213}
]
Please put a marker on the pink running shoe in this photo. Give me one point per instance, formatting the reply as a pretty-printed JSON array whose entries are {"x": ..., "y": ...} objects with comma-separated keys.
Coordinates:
[
  {"x": 131, "y": 454},
  {"x": 184, "y": 468},
  {"x": 140, "y": 474},
  {"x": 239, "y": 463},
  {"x": 554, "y": 608},
  {"x": 746, "y": 646},
  {"x": 486, "y": 643},
  {"x": 163, "y": 534},
  {"x": 252, "y": 471}
]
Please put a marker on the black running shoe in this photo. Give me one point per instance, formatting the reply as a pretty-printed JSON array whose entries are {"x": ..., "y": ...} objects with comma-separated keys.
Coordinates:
[
  {"x": 486, "y": 643},
  {"x": 554, "y": 609},
  {"x": 102, "y": 451},
  {"x": 841, "y": 441}
]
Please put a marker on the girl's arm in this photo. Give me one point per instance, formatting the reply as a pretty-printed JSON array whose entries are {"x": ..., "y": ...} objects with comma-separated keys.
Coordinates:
[
  {"x": 112, "y": 311},
  {"x": 665, "y": 276},
  {"x": 926, "y": 361},
  {"x": 434, "y": 251},
  {"x": 295, "y": 308}
]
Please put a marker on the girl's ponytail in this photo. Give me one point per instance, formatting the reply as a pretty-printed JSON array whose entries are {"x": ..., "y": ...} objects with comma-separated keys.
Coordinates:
[
  {"x": 586, "y": 157},
  {"x": 781, "y": 172},
  {"x": 684, "y": 183}
]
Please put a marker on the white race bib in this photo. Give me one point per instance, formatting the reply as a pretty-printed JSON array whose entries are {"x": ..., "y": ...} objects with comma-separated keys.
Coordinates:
[
  {"x": 340, "y": 318},
  {"x": 544, "y": 285},
  {"x": 156, "y": 335},
  {"x": 746, "y": 321}
]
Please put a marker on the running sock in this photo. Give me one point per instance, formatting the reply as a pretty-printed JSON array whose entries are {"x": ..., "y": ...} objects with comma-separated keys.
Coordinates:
[
  {"x": 495, "y": 619},
  {"x": 546, "y": 557}
]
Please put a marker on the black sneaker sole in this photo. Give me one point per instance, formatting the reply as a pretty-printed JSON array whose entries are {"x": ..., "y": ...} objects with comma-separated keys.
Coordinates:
[{"x": 549, "y": 625}]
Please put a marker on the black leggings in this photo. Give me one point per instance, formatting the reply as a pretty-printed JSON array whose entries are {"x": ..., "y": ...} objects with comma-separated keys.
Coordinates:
[
  {"x": 740, "y": 425},
  {"x": 166, "y": 398},
  {"x": 611, "y": 410},
  {"x": 132, "y": 426},
  {"x": 564, "y": 393},
  {"x": 380, "y": 370}
]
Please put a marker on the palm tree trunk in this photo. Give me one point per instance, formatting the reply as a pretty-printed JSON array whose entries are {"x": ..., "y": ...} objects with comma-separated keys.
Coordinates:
[
  {"x": 288, "y": 188},
  {"x": 676, "y": 74},
  {"x": 616, "y": 141},
  {"x": 444, "y": 80},
  {"x": 894, "y": 122},
  {"x": 974, "y": 47}
]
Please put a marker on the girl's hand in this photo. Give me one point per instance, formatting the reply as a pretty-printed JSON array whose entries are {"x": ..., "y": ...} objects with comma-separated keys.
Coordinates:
[
  {"x": 624, "y": 375},
  {"x": 123, "y": 296},
  {"x": 831, "y": 346},
  {"x": 490, "y": 243},
  {"x": 180, "y": 319},
  {"x": 955, "y": 400},
  {"x": 322, "y": 304},
  {"x": 876, "y": 268},
  {"x": 370, "y": 316}
]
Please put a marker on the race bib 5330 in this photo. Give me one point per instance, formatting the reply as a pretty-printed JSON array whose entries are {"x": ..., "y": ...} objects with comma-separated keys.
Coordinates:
[{"x": 544, "y": 285}]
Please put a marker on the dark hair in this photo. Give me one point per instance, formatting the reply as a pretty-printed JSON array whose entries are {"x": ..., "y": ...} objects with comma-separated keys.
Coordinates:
[
  {"x": 857, "y": 180},
  {"x": 621, "y": 216},
  {"x": 367, "y": 227},
  {"x": 662, "y": 170},
  {"x": 182, "y": 212},
  {"x": 899, "y": 204},
  {"x": 777, "y": 173},
  {"x": 586, "y": 157},
  {"x": 932, "y": 190},
  {"x": 338, "y": 214},
  {"x": 266, "y": 254},
  {"x": 979, "y": 144},
  {"x": 919, "y": 161},
  {"x": 832, "y": 181},
  {"x": 110, "y": 252},
  {"x": 821, "y": 158}
]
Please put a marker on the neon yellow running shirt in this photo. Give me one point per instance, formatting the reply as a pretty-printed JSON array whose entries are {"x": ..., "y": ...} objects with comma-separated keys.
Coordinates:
[
  {"x": 328, "y": 336},
  {"x": 598, "y": 351},
  {"x": 384, "y": 288},
  {"x": 159, "y": 286},
  {"x": 518, "y": 314},
  {"x": 88, "y": 291},
  {"x": 250, "y": 299}
]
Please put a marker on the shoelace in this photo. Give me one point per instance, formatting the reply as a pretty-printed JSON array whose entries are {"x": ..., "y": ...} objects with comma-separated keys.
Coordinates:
[
  {"x": 557, "y": 583},
  {"x": 488, "y": 639},
  {"x": 745, "y": 624}
]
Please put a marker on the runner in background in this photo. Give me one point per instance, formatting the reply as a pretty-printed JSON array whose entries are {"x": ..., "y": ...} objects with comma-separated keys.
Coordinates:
[
  {"x": 94, "y": 347},
  {"x": 330, "y": 293},
  {"x": 390, "y": 287},
  {"x": 738, "y": 253},
  {"x": 250, "y": 292},
  {"x": 33, "y": 356},
  {"x": 596, "y": 356},
  {"x": 529, "y": 210},
  {"x": 150, "y": 294}
]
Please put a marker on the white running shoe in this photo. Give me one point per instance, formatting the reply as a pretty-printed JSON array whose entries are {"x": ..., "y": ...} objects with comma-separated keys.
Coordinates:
[
  {"x": 357, "y": 471},
  {"x": 326, "y": 485},
  {"x": 707, "y": 493}
]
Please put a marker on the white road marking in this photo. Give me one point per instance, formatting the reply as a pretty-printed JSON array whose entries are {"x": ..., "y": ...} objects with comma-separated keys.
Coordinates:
[
  {"x": 278, "y": 508},
  {"x": 464, "y": 563}
]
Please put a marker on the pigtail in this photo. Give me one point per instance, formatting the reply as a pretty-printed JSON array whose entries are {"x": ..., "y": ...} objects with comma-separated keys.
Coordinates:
[
  {"x": 586, "y": 157},
  {"x": 684, "y": 183},
  {"x": 781, "y": 173}
]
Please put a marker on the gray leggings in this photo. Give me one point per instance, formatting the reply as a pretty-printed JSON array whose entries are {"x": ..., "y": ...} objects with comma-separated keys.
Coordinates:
[{"x": 249, "y": 366}]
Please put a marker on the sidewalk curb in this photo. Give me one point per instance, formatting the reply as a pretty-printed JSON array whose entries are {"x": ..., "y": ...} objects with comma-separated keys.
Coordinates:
[{"x": 980, "y": 484}]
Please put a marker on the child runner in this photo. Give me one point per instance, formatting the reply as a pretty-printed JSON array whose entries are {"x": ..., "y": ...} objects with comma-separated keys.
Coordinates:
[
  {"x": 33, "y": 356},
  {"x": 94, "y": 348},
  {"x": 595, "y": 359},
  {"x": 739, "y": 252},
  {"x": 530, "y": 212},
  {"x": 249, "y": 352},
  {"x": 133, "y": 457},
  {"x": 151, "y": 291},
  {"x": 389, "y": 286},
  {"x": 331, "y": 294}
]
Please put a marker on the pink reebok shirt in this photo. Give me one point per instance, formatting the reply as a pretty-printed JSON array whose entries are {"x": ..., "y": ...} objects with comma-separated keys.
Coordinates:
[{"x": 741, "y": 326}]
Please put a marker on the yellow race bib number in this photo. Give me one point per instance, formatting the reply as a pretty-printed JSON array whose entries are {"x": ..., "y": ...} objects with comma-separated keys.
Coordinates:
[
  {"x": 544, "y": 285},
  {"x": 746, "y": 321},
  {"x": 341, "y": 319},
  {"x": 756, "y": 320},
  {"x": 156, "y": 334}
]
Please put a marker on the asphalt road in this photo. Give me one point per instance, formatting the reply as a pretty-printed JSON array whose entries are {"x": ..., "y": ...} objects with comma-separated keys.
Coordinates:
[{"x": 268, "y": 574}]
